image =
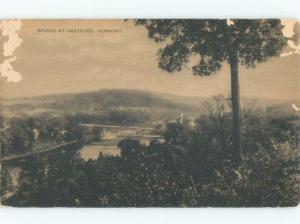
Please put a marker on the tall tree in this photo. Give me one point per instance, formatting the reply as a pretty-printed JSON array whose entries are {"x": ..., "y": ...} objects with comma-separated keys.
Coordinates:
[{"x": 211, "y": 43}]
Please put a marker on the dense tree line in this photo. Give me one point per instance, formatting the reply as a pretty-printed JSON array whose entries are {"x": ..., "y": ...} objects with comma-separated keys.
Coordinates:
[
  {"x": 207, "y": 44},
  {"x": 26, "y": 134},
  {"x": 192, "y": 167}
]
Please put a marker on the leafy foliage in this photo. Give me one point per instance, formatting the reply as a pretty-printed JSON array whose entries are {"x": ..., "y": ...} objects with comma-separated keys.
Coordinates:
[
  {"x": 193, "y": 167},
  {"x": 6, "y": 182},
  {"x": 214, "y": 41}
]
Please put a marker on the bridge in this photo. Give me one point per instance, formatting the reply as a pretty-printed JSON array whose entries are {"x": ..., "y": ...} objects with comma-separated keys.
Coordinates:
[
  {"x": 114, "y": 131},
  {"x": 26, "y": 155},
  {"x": 116, "y": 127},
  {"x": 61, "y": 146}
]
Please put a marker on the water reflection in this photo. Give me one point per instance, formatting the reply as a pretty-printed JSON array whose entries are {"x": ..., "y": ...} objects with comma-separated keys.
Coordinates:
[
  {"x": 107, "y": 147},
  {"x": 92, "y": 151}
]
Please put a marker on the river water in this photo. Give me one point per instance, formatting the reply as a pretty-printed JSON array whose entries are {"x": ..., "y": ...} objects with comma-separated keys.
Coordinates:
[
  {"x": 92, "y": 151},
  {"x": 107, "y": 147}
]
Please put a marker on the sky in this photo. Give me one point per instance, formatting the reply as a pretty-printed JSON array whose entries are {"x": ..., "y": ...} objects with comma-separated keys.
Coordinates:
[{"x": 35, "y": 62}]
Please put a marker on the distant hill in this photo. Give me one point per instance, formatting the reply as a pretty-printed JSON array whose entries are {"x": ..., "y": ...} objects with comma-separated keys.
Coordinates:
[
  {"x": 120, "y": 99},
  {"x": 101, "y": 100}
]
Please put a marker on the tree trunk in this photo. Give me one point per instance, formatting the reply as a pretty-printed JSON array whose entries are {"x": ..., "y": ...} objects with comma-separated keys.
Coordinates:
[{"x": 235, "y": 100}]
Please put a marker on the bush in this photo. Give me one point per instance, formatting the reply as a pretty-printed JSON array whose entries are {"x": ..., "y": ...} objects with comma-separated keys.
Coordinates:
[{"x": 193, "y": 167}]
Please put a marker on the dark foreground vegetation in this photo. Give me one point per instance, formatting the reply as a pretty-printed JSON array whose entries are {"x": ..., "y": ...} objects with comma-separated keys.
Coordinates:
[{"x": 193, "y": 167}]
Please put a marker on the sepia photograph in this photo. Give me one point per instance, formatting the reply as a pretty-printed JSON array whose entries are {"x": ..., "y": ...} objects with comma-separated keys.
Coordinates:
[{"x": 143, "y": 113}]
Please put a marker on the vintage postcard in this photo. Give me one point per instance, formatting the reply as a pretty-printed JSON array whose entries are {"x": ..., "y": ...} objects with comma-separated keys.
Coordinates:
[{"x": 150, "y": 113}]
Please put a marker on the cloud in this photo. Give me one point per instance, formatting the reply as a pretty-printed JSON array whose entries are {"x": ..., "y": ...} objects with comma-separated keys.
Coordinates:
[{"x": 10, "y": 29}]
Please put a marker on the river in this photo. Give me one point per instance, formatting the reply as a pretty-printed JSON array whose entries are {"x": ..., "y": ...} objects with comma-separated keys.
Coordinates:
[
  {"x": 92, "y": 151},
  {"x": 107, "y": 147}
]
